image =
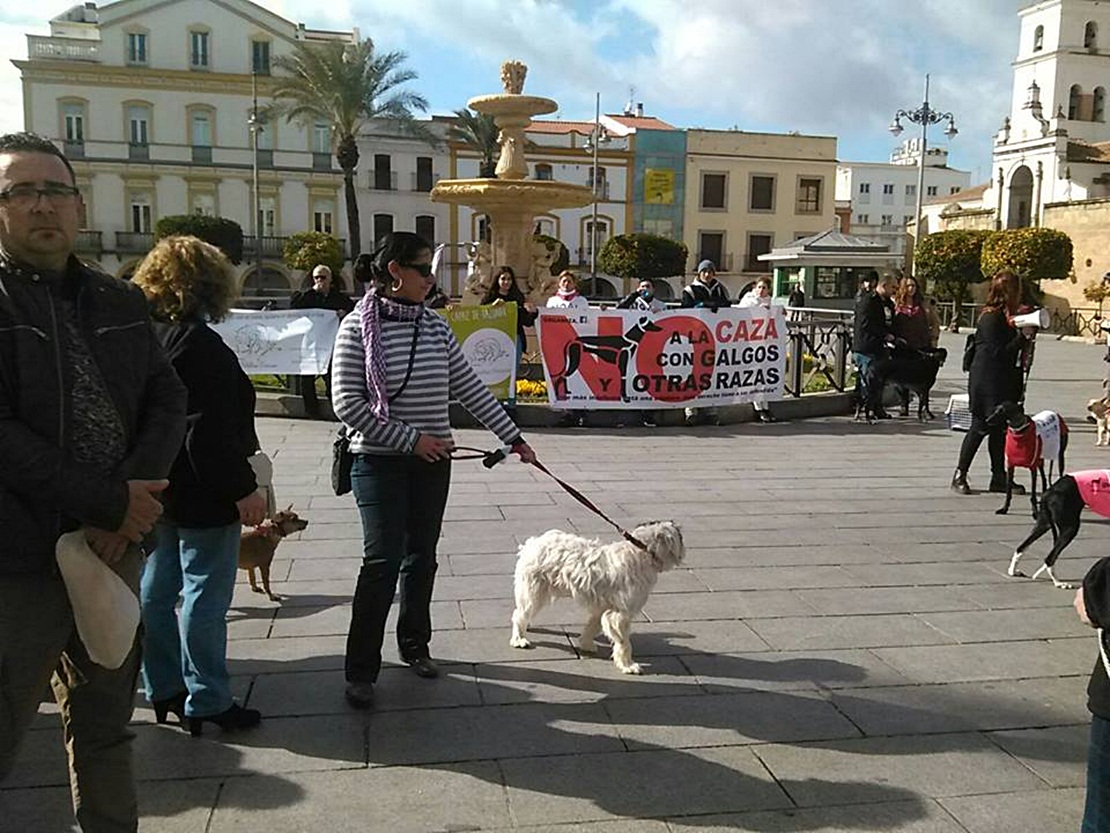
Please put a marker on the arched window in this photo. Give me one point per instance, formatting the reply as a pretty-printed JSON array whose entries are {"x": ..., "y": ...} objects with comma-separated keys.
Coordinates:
[
  {"x": 1038, "y": 39},
  {"x": 1098, "y": 105},
  {"x": 1090, "y": 35},
  {"x": 1073, "y": 101}
]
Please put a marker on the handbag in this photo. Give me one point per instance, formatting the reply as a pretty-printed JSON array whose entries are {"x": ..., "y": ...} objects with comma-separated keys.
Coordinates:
[
  {"x": 105, "y": 610},
  {"x": 969, "y": 352},
  {"x": 341, "y": 462}
]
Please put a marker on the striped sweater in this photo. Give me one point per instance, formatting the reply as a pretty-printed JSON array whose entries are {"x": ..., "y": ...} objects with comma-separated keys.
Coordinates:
[{"x": 440, "y": 372}]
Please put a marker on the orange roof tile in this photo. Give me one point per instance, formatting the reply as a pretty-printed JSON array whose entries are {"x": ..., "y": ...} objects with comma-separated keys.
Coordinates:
[
  {"x": 975, "y": 192},
  {"x": 542, "y": 126},
  {"x": 641, "y": 122},
  {"x": 1097, "y": 152}
]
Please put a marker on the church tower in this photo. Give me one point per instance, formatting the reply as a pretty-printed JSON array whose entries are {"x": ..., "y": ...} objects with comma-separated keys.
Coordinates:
[{"x": 1051, "y": 145}]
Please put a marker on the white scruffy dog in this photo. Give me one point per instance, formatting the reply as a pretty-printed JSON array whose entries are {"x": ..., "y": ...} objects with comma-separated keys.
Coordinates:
[{"x": 612, "y": 581}]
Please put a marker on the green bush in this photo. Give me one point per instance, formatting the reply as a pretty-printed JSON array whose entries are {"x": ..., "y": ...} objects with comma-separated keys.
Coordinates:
[
  {"x": 642, "y": 256},
  {"x": 226, "y": 235},
  {"x": 308, "y": 249},
  {"x": 562, "y": 261},
  {"x": 1030, "y": 253},
  {"x": 948, "y": 262}
]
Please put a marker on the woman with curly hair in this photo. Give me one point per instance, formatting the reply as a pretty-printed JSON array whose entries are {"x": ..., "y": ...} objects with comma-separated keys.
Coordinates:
[{"x": 212, "y": 492}]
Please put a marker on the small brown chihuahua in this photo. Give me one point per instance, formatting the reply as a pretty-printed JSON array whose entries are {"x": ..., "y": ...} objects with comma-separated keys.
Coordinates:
[{"x": 257, "y": 546}]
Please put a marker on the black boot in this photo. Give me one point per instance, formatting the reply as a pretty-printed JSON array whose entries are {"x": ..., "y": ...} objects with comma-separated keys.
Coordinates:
[{"x": 959, "y": 483}]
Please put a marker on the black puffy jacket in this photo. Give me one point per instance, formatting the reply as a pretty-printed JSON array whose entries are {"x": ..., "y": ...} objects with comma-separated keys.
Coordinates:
[{"x": 43, "y": 493}]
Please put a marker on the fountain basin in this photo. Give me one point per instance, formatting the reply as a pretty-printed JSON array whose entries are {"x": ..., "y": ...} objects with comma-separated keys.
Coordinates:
[
  {"x": 524, "y": 196},
  {"x": 504, "y": 104}
]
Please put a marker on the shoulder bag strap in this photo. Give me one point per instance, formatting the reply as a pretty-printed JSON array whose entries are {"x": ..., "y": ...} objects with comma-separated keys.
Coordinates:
[{"x": 412, "y": 360}]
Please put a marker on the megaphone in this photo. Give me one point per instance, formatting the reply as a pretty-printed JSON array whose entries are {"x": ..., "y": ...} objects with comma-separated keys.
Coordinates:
[{"x": 1037, "y": 318}]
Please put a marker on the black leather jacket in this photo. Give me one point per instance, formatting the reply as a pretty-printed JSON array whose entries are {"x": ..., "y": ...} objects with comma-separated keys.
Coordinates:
[{"x": 43, "y": 492}]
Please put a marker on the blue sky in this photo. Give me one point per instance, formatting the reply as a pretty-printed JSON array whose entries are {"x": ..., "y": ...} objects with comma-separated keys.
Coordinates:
[{"x": 819, "y": 67}]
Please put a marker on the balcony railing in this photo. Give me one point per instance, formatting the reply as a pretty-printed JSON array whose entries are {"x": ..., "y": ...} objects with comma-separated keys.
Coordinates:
[
  {"x": 383, "y": 180},
  {"x": 423, "y": 183},
  {"x": 265, "y": 158},
  {"x": 89, "y": 242},
  {"x": 43, "y": 48},
  {"x": 137, "y": 152},
  {"x": 271, "y": 246},
  {"x": 752, "y": 263},
  {"x": 74, "y": 150},
  {"x": 134, "y": 241},
  {"x": 321, "y": 161},
  {"x": 202, "y": 154},
  {"x": 602, "y": 188}
]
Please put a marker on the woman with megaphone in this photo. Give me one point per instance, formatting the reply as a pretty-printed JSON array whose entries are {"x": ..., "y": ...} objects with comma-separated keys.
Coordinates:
[{"x": 996, "y": 376}]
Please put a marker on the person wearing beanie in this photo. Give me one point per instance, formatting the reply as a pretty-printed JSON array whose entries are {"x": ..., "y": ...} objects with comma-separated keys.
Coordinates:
[{"x": 704, "y": 292}]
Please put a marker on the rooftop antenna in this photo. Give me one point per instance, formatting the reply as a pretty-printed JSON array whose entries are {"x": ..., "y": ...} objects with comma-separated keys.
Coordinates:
[{"x": 630, "y": 107}]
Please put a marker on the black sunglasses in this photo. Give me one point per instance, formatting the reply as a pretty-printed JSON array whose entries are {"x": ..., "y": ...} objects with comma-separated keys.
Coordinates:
[{"x": 425, "y": 269}]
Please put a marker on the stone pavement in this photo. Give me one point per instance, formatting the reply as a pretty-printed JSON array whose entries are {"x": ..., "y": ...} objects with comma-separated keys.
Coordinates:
[{"x": 842, "y": 651}]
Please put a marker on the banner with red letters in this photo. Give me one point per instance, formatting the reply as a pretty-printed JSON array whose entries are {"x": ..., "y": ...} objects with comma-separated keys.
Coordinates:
[{"x": 678, "y": 358}]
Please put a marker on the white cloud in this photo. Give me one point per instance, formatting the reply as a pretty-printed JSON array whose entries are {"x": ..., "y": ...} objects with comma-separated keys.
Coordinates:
[{"x": 829, "y": 68}]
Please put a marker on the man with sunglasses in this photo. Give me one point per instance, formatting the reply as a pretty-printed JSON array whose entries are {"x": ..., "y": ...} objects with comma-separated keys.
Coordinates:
[
  {"x": 324, "y": 293},
  {"x": 91, "y": 418}
]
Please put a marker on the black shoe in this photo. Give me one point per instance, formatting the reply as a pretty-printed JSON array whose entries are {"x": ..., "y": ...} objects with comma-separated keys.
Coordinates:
[
  {"x": 766, "y": 416},
  {"x": 360, "y": 695},
  {"x": 959, "y": 483},
  {"x": 424, "y": 667},
  {"x": 231, "y": 720},
  {"x": 174, "y": 705}
]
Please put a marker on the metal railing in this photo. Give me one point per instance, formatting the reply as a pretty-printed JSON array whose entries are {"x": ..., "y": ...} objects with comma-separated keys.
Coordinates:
[
  {"x": 89, "y": 241},
  {"x": 272, "y": 245},
  {"x": 383, "y": 180},
  {"x": 1078, "y": 322},
  {"x": 321, "y": 161},
  {"x": 134, "y": 241},
  {"x": 820, "y": 344}
]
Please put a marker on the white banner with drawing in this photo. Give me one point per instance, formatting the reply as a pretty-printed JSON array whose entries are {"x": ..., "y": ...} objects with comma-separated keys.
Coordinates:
[{"x": 282, "y": 342}]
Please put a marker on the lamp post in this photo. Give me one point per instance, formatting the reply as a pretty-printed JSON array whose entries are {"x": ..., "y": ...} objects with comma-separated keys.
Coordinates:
[
  {"x": 254, "y": 124},
  {"x": 925, "y": 116},
  {"x": 598, "y": 137}
]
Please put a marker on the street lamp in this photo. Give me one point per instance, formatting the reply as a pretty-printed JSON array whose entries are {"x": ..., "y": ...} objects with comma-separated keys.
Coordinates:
[
  {"x": 254, "y": 124},
  {"x": 599, "y": 136},
  {"x": 924, "y": 115}
]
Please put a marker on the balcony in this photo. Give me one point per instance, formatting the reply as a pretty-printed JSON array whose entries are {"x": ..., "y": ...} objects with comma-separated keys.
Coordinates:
[
  {"x": 321, "y": 161},
  {"x": 134, "y": 242},
  {"x": 265, "y": 158},
  {"x": 138, "y": 152},
  {"x": 89, "y": 242},
  {"x": 74, "y": 150},
  {"x": 602, "y": 189},
  {"x": 423, "y": 183},
  {"x": 754, "y": 264},
  {"x": 202, "y": 154},
  {"x": 271, "y": 246},
  {"x": 43, "y": 48},
  {"x": 383, "y": 180}
]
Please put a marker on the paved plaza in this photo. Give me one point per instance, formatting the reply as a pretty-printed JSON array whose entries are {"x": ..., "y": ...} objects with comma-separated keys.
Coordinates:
[{"x": 842, "y": 651}]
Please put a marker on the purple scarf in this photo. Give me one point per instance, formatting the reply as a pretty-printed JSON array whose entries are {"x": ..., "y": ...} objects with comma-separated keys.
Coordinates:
[{"x": 370, "y": 310}]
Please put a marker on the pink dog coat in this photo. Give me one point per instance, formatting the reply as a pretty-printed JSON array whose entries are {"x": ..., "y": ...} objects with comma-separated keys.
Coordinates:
[{"x": 1094, "y": 488}]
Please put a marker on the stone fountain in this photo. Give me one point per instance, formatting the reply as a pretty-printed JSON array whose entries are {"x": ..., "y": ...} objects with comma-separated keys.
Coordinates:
[{"x": 511, "y": 201}]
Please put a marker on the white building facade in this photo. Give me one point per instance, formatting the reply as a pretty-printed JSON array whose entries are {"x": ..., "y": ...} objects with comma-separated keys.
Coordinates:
[
  {"x": 151, "y": 101},
  {"x": 883, "y": 195}
]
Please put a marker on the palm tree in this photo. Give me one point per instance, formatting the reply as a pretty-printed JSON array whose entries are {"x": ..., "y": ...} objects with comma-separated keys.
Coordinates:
[
  {"x": 348, "y": 85},
  {"x": 479, "y": 132}
]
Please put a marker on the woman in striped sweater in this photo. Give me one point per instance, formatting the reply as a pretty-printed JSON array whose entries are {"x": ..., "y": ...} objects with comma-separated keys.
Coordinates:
[{"x": 395, "y": 367}]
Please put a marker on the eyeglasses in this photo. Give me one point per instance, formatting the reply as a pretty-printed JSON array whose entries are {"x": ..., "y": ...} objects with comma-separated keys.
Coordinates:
[
  {"x": 27, "y": 196},
  {"x": 425, "y": 269}
]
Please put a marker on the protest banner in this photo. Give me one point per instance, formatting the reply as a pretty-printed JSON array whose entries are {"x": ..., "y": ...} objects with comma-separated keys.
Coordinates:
[
  {"x": 679, "y": 358},
  {"x": 487, "y": 335},
  {"x": 294, "y": 342}
]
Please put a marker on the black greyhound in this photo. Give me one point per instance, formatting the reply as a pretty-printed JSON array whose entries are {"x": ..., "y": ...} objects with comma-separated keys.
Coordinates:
[
  {"x": 912, "y": 370},
  {"x": 1025, "y": 449},
  {"x": 1059, "y": 511},
  {"x": 616, "y": 350}
]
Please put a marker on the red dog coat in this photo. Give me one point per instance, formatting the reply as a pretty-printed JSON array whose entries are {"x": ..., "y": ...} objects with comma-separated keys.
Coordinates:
[{"x": 1040, "y": 438}]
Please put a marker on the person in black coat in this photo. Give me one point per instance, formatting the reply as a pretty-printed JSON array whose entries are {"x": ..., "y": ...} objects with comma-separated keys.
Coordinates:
[
  {"x": 212, "y": 493},
  {"x": 504, "y": 290},
  {"x": 704, "y": 292},
  {"x": 995, "y": 377},
  {"x": 1092, "y": 605},
  {"x": 872, "y": 342},
  {"x": 323, "y": 293}
]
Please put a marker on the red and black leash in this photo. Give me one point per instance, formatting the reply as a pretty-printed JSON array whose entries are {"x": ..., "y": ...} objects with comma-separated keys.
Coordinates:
[{"x": 492, "y": 458}]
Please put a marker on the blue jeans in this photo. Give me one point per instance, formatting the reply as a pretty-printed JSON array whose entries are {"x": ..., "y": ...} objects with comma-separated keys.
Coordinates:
[
  {"x": 186, "y": 650},
  {"x": 401, "y": 500},
  {"x": 1096, "y": 813}
]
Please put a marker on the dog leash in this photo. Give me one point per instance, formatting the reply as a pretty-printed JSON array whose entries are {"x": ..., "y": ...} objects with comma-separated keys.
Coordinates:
[{"x": 492, "y": 458}]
